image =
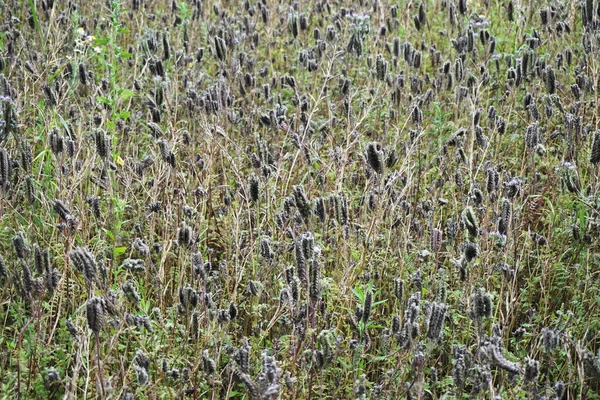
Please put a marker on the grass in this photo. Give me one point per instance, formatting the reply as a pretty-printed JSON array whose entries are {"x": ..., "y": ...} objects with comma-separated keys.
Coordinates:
[{"x": 305, "y": 200}]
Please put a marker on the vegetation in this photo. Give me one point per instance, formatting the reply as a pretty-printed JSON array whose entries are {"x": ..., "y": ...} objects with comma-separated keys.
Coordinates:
[{"x": 267, "y": 199}]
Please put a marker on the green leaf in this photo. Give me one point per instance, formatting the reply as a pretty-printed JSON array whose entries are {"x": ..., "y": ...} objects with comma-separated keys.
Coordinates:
[
  {"x": 359, "y": 293},
  {"x": 123, "y": 115},
  {"x": 104, "y": 100},
  {"x": 101, "y": 41},
  {"x": 127, "y": 94}
]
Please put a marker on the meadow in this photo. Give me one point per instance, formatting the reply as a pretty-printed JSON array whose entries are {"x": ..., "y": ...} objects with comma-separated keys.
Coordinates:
[{"x": 273, "y": 199}]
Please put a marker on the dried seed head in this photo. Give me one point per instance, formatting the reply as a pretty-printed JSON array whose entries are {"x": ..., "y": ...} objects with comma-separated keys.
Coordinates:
[
  {"x": 56, "y": 141},
  {"x": 83, "y": 75},
  {"x": 505, "y": 217},
  {"x": 320, "y": 210},
  {"x": 381, "y": 67},
  {"x": 595, "y": 149},
  {"x": 368, "y": 304},
  {"x": 436, "y": 321},
  {"x": 471, "y": 222},
  {"x": 550, "y": 339},
  {"x": 20, "y": 246},
  {"x": 210, "y": 367},
  {"x": 470, "y": 251},
  {"x": 532, "y": 370},
  {"x": 62, "y": 210},
  {"x": 499, "y": 360},
  {"x": 374, "y": 156},
  {"x": 550, "y": 81},
  {"x": 436, "y": 240},
  {"x": 94, "y": 203},
  {"x": 315, "y": 280},
  {"x": 103, "y": 144},
  {"x": 85, "y": 262},
  {"x": 395, "y": 325},
  {"x": 254, "y": 188},
  {"x": 481, "y": 305},
  {"x": 250, "y": 385},
  {"x": 233, "y": 310},
  {"x": 95, "y": 314},
  {"x": 302, "y": 202},
  {"x": 5, "y": 169}
]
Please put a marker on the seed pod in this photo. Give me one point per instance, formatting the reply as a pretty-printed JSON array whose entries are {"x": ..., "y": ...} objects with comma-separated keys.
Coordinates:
[
  {"x": 471, "y": 222},
  {"x": 62, "y": 210},
  {"x": 233, "y": 311},
  {"x": 374, "y": 157},
  {"x": 254, "y": 189},
  {"x": 550, "y": 339},
  {"x": 477, "y": 117},
  {"x": 210, "y": 367},
  {"x": 505, "y": 217},
  {"x": 56, "y": 141},
  {"x": 50, "y": 95},
  {"x": 130, "y": 292},
  {"x": 3, "y": 270},
  {"x": 320, "y": 209},
  {"x": 544, "y": 16},
  {"x": 368, "y": 303},
  {"x": 250, "y": 385},
  {"x": 300, "y": 263},
  {"x": 550, "y": 81},
  {"x": 481, "y": 305},
  {"x": 395, "y": 325},
  {"x": 103, "y": 144},
  {"x": 315, "y": 280},
  {"x": 492, "y": 181},
  {"x": 436, "y": 240},
  {"x": 499, "y": 360},
  {"x": 185, "y": 235},
  {"x": 436, "y": 321},
  {"x": 532, "y": 370},
  {"x": 293, "y": 25},
  {"x": 595, "y": 148},
  {"x": 20, "y": 246},
  {"x": 589, "y": 11},
  {"x": 470, "y": 251},
  {"x": 398, "y": 288},
  {"x": 94, "y": 203},
  {"x": 381, "y": 67},
  {"x": 85, "y": 262},
  {"x": 166, "y": 47},
  {"x": 532, "y": 137},
  {"x": 417, "y": 115},
  {"x": 83, "y": 74},
  {"x": 95, "y": 314},
  {"x": 302, "y": 202}
]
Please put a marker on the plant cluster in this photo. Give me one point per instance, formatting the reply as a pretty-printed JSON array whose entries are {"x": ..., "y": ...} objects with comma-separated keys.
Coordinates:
[{"x": 269, "y": 199}]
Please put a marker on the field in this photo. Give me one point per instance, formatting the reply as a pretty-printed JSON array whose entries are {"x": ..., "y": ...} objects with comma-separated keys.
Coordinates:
[{"x": 317, "y": 199}]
